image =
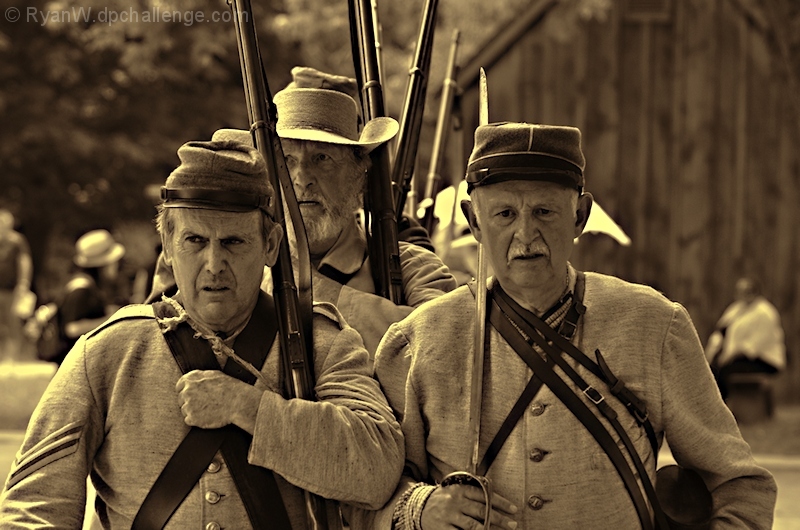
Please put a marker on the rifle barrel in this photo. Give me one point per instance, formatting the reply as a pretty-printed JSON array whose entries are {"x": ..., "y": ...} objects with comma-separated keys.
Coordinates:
[
  {"x": 293, "y": 307},
  {"x": 443, "y": 126},
  {"x": 413, "y": 108},
  {"x": 382, "y": 230}
]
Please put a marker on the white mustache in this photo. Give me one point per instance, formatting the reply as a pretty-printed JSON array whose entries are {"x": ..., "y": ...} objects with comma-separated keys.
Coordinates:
[{"x": 528, "y": 251}]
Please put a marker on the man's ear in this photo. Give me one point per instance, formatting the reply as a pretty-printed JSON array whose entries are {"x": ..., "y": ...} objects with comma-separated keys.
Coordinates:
[
  {"x": 585, "y": 202},
  {"x": 166, "y": 249},
  {"x": 472, "y": 219},
  {"x": 273, "y": 245}
]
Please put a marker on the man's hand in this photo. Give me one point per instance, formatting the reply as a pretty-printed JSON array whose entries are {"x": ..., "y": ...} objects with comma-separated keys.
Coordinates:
[
  {"x": 463, "y": 506},
  {"x": 211, "y": 399}
]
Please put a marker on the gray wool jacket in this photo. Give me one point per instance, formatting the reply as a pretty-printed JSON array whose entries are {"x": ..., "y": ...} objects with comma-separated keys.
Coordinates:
[
  {"x": 112, "y": 413},
  {"x": 424, "y": 367}
]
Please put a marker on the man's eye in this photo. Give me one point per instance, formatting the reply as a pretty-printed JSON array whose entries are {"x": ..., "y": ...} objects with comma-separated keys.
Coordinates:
[
  {"x": 323, "y": 157},
  {"x": 543, "y": 211},
  {"x": 195, "y": 239},
  {"x": 232, "y": 241},
  {"x": 506, "y": 213}
]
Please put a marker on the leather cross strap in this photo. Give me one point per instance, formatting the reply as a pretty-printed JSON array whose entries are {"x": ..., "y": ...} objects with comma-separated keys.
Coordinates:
[
  {"x": 528, "y": 320},
  {"x": 595, "y": 397},
  {"x": 567, "y": 329},
  {"x": 545, "y": 372},
  {"x": 257, "y": 486}
]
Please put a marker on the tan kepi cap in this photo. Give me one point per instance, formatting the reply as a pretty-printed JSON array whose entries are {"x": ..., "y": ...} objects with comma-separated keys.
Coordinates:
[
  {"x": 523, "y": 151},
  {"x": 219, "y": 175},
  {"x": 322, "y": 107}
]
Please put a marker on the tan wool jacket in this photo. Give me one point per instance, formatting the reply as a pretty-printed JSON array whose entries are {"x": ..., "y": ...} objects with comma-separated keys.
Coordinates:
[
  {"x": 551, "y": 468},
  {"x": 112, "y": 412}
]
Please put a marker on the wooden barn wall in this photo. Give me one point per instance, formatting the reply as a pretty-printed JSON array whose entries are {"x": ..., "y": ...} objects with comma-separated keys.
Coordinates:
[{"x": 691, "y": 146}]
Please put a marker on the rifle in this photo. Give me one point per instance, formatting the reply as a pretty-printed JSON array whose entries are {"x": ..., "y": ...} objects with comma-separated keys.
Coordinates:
[
  {"x": 443, "y": 125},
  {"x": 293, "y": 306},
  {"x": 413, "y": 109},
  {"x": 379, "y": 205}
]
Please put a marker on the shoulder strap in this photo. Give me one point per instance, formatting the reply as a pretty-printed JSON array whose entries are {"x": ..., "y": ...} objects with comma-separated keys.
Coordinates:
[
  {"x": 567, "y": 329},
  {"x": 502, "y": 321},
  {"x": 256, "y": 485},
  {"x": 529, "y": 323}
]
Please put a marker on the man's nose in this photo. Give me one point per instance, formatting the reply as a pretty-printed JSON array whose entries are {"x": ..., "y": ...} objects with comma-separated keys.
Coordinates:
[
  {"x": 215, "y": 258},
  {"x": 302, "y": 175},
  {"x": 527, "y": 229}
]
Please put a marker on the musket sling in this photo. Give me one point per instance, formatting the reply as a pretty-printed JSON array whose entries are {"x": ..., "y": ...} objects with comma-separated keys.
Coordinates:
[
  {"x": 257, "y": 486},
  {"x": 501, "y": 316}
]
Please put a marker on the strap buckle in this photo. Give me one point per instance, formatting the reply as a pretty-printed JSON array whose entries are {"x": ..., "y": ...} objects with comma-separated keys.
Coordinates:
[
  {"x": 640, "y": 416},
  {"x": 593, "y": 395}
]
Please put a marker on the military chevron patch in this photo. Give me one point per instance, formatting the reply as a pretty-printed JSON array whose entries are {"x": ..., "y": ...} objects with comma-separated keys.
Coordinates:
[{"x": 57, "y": 445}]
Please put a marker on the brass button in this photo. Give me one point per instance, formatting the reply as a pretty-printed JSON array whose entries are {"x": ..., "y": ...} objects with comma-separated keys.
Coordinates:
[
  {"x": 213, "y": 526},
  {"x": 537, "y": 455},
  {"x": 214, "y": 466},
  {"x": 537, "y": 409},
  {"x": 536, "y": 502},
  {"x": 213, "y": 497}
]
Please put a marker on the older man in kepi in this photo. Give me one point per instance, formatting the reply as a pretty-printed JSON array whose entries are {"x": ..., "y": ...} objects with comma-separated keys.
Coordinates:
[
  {"x": 584, "y": 373},
  {"x": 176, "y": 410},
  {"x": 327, "y": 155}
]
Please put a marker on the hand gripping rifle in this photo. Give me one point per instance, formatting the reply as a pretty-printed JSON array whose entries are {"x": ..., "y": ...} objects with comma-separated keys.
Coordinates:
[
  {"x": 433, "y": 182},
  {"x": 383, "y": 250},
  {"x": 479, "y": 350},
  {"x": 413, "y": 109},
  {"x": 293, "y": 302}
]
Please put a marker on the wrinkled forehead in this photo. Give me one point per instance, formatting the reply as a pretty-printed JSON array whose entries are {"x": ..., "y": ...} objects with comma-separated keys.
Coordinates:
[
  {"x": 522, "y": 193},
  {"x": 216, "y": 223}
]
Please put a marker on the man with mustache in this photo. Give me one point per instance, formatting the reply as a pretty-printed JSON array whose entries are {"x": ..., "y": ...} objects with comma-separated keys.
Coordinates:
[
  {"x": 584, "y": 374},
  {"x": 177, "y": 410},
  {"x": 327, "y": 155}
]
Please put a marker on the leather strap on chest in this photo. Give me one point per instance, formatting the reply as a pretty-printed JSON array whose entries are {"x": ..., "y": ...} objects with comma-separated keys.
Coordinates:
[
  {"x": 544, "y": 370},
  {"x": 257, "y": 486},
  {"x": 567, "y": 328}
]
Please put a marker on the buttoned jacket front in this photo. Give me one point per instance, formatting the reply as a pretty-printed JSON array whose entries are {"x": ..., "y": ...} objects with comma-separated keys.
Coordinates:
[{"x": 551, "y": 468}]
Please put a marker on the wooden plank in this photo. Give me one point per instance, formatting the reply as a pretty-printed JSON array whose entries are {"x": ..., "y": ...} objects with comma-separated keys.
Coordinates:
[
  {"x": 660, "y": 164},
  {"x": 786, "y": 283},
  {"x": 677, "y": 142},
  {"x": 721, "y": 240},
  {"x": 695, "y": 154},
  {"x": 601, "y": 137},
  {"x": 631, "y": 176}
]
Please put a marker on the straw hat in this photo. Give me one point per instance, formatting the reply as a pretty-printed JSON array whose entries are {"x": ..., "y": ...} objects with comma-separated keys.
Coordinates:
[
  {"x": 97, "y": 249},
  {"x": 323, "y": 107}
]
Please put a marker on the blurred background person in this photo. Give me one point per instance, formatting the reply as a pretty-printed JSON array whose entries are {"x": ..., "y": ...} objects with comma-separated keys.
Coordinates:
[
  {"x": 16, "y": 299},
  {"x": 748, "y": 337},
  {"x": 87, "y": 299}
]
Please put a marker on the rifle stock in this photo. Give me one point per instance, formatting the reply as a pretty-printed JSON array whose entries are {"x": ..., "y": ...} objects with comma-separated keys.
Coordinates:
[
  {"x": 379, "y": 204},
  {"x": 433, "y": 182},
  {"x": 293, "y": 305},
  {"x": 413, "y": 108}
]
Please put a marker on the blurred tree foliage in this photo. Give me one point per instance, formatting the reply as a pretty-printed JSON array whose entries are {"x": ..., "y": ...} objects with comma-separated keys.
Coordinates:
[{"x": 97, "y": 95}]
